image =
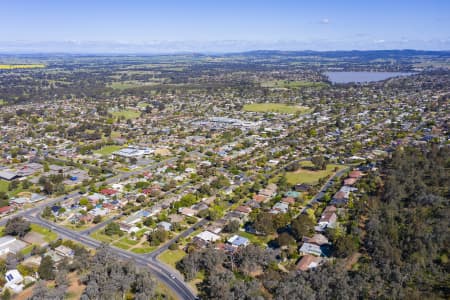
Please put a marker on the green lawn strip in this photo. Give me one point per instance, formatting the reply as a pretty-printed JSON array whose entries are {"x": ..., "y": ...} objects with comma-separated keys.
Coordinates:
[
  {"x": 254, "y": 239},
  {"x": 143, "y": 249},
  {"x": 48, "y": 235},
  {"x": 171, "y": 257},
  {"x": 141, "y": 232},
  {"x": 76, "y": 227},
  {"x": 129, "y": 241},
  {"x": 121, "y": 245},
  {"x": 4, "y": 186},
  {"x": 27, "y": 250}
]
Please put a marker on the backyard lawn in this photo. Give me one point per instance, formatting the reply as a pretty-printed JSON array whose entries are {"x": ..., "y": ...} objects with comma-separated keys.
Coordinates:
[
  {"x": 4, "y": 186},
  {"x": 275, "y": 107}
]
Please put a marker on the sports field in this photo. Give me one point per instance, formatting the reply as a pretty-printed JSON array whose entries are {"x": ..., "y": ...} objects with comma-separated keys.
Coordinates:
[{"x": 275, "y": 107}]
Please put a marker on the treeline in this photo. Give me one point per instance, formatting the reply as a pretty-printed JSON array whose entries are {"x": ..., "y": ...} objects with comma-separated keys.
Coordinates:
[
  {"x": 104, "y": 276},
  {"x": 401, "y": 222}
]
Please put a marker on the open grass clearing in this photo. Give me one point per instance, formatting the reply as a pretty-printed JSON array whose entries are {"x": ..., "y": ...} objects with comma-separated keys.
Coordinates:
[
  {"x": 126, "y": 113},
  {"x": 142, "y": 249},
  {"x": 108, "y": 150},
  {"x": 275, "y": 107},
  {"x": 100, "y": 236},
  {"x": 309, "y": 176},
  {"x": 48, "y": 235},
  {"x": 171, "y": 257}
]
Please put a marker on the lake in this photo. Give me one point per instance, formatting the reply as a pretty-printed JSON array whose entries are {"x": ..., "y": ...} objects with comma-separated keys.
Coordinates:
[{"x": 359, "y": 77}]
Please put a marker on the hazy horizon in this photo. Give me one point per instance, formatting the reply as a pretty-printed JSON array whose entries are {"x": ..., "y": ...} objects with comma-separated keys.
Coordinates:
[{"x": 232, "y": 26}]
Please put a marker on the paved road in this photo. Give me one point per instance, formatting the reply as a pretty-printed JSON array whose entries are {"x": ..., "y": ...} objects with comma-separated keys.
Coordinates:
[
  {"x": 76, "y": 194},
  {"x": 159, "y": 270}
]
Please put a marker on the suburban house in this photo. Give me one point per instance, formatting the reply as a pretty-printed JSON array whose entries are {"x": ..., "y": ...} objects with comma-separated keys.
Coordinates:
[
  {"x": 318, "y": 239},
  {"x": 280, "y": 207},
  {"x": 238, "y": 241},
  {"x": 207, "y": 236},
  {"x": 164, "y": 225},
  {"x": 128, "y": 228},
  {"x": 309, "y": 248},
  {"x": 5, "y": 210},
  {"x": 350, "y": 181},
  {"x": 14, "y": 281},
  {"x": 186, "y": 211},
  {"x": 64, "y": 251},
  {"x": 308, "y": 262},
  {"x": 9, "y": 244},
  {"x": 328, "y": 219}
]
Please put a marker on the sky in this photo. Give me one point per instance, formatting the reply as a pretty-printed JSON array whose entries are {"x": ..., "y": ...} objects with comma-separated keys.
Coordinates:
[{"x": 197, "y": 25}]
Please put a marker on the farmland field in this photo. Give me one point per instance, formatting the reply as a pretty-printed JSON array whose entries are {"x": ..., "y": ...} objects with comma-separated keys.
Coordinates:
[
  {"x": 275, "y": 107},
  {"x": 25, "y": 66},
  {"x": 292, "y": 84}
]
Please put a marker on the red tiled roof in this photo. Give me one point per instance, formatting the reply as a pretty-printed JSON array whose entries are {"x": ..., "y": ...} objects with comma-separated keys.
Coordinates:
[
  {"x": 5, "y": 209},
  {"x": 355, "y": 174},
  {"x": 259, "y": 198},
  {"x": 108, "y": 192}
]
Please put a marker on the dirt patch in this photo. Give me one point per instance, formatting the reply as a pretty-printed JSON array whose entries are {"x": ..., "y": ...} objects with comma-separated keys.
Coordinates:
[
  {"x": 305, "y": 171},
  {"x": 34, "y": 238},
  {"x": 76, "y": 289},
  {"x": 353, "y": 259},
  {"x": 73, "y": 292}
]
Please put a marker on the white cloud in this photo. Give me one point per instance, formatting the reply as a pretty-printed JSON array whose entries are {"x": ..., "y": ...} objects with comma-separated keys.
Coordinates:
[{"x": 325, "y": 21}]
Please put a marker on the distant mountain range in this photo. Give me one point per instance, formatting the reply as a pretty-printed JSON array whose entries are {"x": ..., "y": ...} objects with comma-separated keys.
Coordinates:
[{"x": 226, "y": 46}]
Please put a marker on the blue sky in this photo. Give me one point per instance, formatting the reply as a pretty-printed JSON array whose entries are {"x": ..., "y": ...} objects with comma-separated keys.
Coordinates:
[{"x": 290, "y": 24}]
